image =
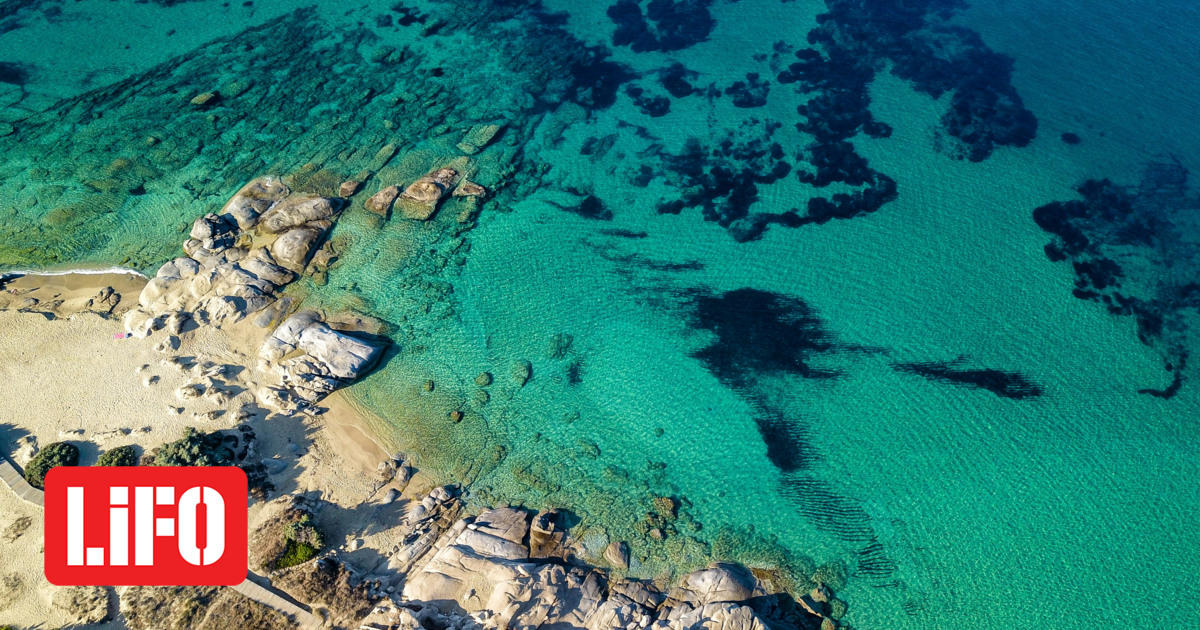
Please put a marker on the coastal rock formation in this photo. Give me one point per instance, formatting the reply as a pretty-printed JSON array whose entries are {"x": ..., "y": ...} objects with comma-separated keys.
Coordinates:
[
  {"x": 292, "y": 249},
  {"x": 331, "y": 359},
  {"x": 481, "y": 567},
  {"x": 420, "y": 200},
  {"x": 617, "y": 554},
  {"x": 296, "y": 211},
  {"x": 254, "y": 199},
  {"x": 220, "y": 282},
  {"x": 381, "y": 202}
]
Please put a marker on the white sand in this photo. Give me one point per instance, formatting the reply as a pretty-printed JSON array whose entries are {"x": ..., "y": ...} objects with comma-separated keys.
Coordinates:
[{"x": 68, "y": 379}]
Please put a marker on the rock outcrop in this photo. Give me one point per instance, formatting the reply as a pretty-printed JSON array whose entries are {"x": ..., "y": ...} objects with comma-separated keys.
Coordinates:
[
  {"x": 381, "y": 202},
  {"x": 220, "y": 281},
  {"x": 331, "y": 359},
  {"x": 478, "y": 137},
  {"x": 480, "y": 575},
  {"x": 420, "y": 200}
]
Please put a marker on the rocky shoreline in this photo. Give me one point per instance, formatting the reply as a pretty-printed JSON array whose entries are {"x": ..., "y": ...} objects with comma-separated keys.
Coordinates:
[{"x": 412, "y": 558}]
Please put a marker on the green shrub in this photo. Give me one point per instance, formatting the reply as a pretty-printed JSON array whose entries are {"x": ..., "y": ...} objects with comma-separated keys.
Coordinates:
[
  {"x": 304, "y": 531},
  {"x": 303, "y": 539},
  {"x": 56, "y": 454},
  {"x": 194, "y": 449},
  {"x": 209, "y": 449},
  {"x": 120, "y": 456},
  {"x": 296, "y": 553}
]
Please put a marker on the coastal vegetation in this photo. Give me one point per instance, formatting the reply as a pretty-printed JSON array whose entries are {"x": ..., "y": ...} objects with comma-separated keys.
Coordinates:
[
  {"x": 119, "y": 456},
  {"x": 303, "y": 540},
  {"x": 55, "y": 454}
]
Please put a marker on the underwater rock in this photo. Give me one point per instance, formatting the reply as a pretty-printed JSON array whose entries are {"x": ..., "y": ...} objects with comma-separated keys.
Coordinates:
[
  {"x": 666, "y": 25},
  {"x": 617, "y": 554},
  {"x": 674, "y": 80},
  {"x": 559, "y": 345},
  {"x": 420, "y": 200},
  {"x": 348, "y": 188},
  {"x": 469, "y": 189},
  {"x": 1156, "y": 281},
  {"x": 484, "y": 379},
  {"x": 749, "y": 93},
  {"x": 204, "y": 99},
  {"x": 522, "y": 371},
  {"x": 1000, "y": 382},
  {"x": 381, "y": 202},
  {"x": 653, "y": 107},
  {"x": 478, "y": 137}
]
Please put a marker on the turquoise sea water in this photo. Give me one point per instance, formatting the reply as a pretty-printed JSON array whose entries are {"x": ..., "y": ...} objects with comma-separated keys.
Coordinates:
[{"x": 913, "y": 391}]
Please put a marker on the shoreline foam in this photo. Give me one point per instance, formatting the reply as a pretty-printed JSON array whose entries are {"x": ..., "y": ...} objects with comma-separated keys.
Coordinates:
[{"x": 84, "y": 271}]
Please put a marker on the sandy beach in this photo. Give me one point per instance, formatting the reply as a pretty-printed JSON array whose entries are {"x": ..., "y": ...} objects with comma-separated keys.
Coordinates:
[{"x": 69, "y": 374}]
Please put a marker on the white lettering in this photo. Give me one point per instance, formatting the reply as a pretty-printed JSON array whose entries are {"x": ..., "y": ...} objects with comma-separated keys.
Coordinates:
[{"x": 214, "y": 526}]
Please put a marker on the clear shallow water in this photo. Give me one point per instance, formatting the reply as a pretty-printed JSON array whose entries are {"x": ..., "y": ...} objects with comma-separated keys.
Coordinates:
[{"x": 768, "y": 365}]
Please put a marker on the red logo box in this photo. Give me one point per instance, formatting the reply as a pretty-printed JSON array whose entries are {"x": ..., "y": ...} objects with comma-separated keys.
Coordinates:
[{"x": 146, "y": 526}]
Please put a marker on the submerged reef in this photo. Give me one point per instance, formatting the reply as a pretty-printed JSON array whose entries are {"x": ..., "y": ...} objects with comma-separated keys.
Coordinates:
[
  {"x": 1002, "y": 383},
  {"x": 759, "y": 331},
  {"x": 853, "y": 41},
  {"x": 759, "y": 336},
  {"x": 723, "y": 181},
  {"x": 1157, "y": 280},
  {"x": 937, "y": 57},
  {"x": 665, "y": 25}
]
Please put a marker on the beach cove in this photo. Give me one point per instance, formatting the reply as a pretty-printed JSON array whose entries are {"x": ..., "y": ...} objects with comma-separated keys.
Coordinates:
[{"x": 874, "y": 290}]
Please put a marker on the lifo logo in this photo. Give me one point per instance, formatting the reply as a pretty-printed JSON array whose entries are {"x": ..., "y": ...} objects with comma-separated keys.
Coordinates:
[{"x": 146, "y": 526}]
